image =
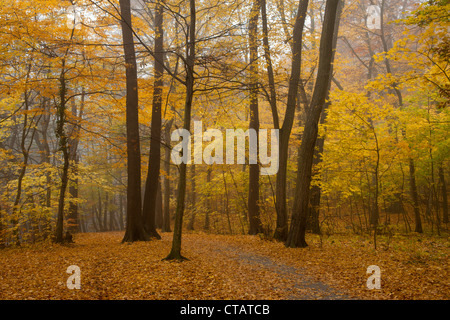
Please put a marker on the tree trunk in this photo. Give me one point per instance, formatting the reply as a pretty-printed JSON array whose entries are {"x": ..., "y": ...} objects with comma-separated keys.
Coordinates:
[
  {"x": 166, "y": 216},
  {"x": 444, "y": 194},
  {"x": 296, "y": 236},
  {"x": 314, "y": 208},
  {"x": 152, "y": 183},
  {"x": 73, "y": 223},
  {"x": 2, "y": 230},
  {"x": 206, "y": 225},
  {"x": 193, "y": 200},
  {"x": 105, "y": 211},
  {"x": 72, "y": 219},
  {"x": 273, "y": 95},
  {"x": 63, "y": 146},
  {"x": 285, "y": 131},
  {"x": 414, "y": 196},
  {"x": 175, "y": 253},
  {"x": 135, "y": 228},
  {"x": 158, "y": 208},
  {"x": 253, "y": 192},
  {"x": 121, "y": 215}
]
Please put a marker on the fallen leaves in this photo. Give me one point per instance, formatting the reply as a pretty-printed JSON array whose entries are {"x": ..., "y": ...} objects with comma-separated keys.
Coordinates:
[{"x": 225, "y": 267}]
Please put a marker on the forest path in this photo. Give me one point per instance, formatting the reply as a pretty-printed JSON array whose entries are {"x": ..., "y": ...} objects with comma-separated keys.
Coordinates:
[
  {"x": 293, "y": 282},
  {"x": 220, "y": 267}
]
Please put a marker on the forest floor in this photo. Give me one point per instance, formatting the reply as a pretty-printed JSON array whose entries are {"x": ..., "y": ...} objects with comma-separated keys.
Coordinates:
[{"x": 228, "y": 267}]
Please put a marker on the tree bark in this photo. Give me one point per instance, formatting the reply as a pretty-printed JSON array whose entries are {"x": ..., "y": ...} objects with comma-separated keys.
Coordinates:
[
  {"x": 151, "y": 186},
  {"x": 191, "y": 223},
  {"x": 285, "y": 131},
  {"x": 159, "y": 208},
  {"x": 134, "y": 228},
  {"x": 316, "y": 191},
  {"x": 166, "y": 216},
  {"x": 253, "y": 193},
  {"x": 444, "y": 194},
  {"x": 206, "y": 225},
  {"x": 273, "y": 95},
  {"x": 175, "y": 253},
  {"x": 73, "y": 219},
  {"x": 296, "y": 236}
]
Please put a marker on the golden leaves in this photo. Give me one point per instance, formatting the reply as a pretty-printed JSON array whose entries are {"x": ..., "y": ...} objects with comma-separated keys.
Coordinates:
[{"x": 226, "y": 267}]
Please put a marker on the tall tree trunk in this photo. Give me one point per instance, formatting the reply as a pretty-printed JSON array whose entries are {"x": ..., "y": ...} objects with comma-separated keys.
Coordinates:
[
  {"x": 101, "y": 223},
  {"x": 166, "y": 216},
  {"x": 253, "y": 186},
  {"x": 135, "y": 228},
  {"x": 316, "y": 190},
  {"x": 121, "y": 215},
  {"x": 63, "y": 146},
  {"x": 191, "y": 223},
  {"x": 281, "y": 230},
  {"x": 159, "y": 208},
  {"x": 444, "y": 194},
  {"x": 175, "y": 253},
  {"x": 73, "y": 223},
  {"x": 206, "y": 225},
  {"x": 273, "y": 94},
  {"x": 25, "y": 154},
  {"x": 112, "y": 216},
  {"x": 2, "y": 230},
  {"x": 105, "y": 211},
  {"x": 152, "y": 183},
  {"x": 73, "y": 219},
  {"x": 44, "y": 151},
  {"x": 296, "y": 236}
]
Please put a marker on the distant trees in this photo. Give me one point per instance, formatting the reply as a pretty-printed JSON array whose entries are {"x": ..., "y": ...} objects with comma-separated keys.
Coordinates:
[{"x": 87, "y": 110}]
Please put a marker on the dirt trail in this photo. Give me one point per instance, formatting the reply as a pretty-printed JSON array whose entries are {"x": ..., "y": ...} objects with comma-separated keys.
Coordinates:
[
  {"x": 302, "y": 286},
  {"x": 220, "y": 268}
]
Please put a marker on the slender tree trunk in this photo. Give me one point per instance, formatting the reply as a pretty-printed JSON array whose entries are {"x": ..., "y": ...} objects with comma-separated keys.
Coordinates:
[
  {"x": 2, "y": 229},
  {"x": 193, "y": 200},
  {"x": 444, "y": 194},
  {"x": 102, "y": 223},
  {"x": 63, "y": 146},
  {"x": 253, "y": 193},
  {"x": 166, "y": 216},
  {"x": 316, "y": 190},
  {"x": 135, "y": 228},
  {"x": 281, "y": 230},
  {"x": 121, "y": 215},
  {"x": 105, "y": 211},
  {"x": 296, "y": 236},
  {"x": 112, "y": 218},
  {"x": 159, "y": 208},
  {"x": 273, "y": 95},
  {"x": 206, "y": 225},
  {"x": 44, "y": 151},
  {"x": 94, "y": 219},
  {"x": 73, "y": 223},
  {"x": 152, "y": 183},
  {"x": 227, "y": 211},
  {"x": 25, "y": 154},
  {"x": 72, "y": 219},
  {"x": 175, "y": 253}
]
